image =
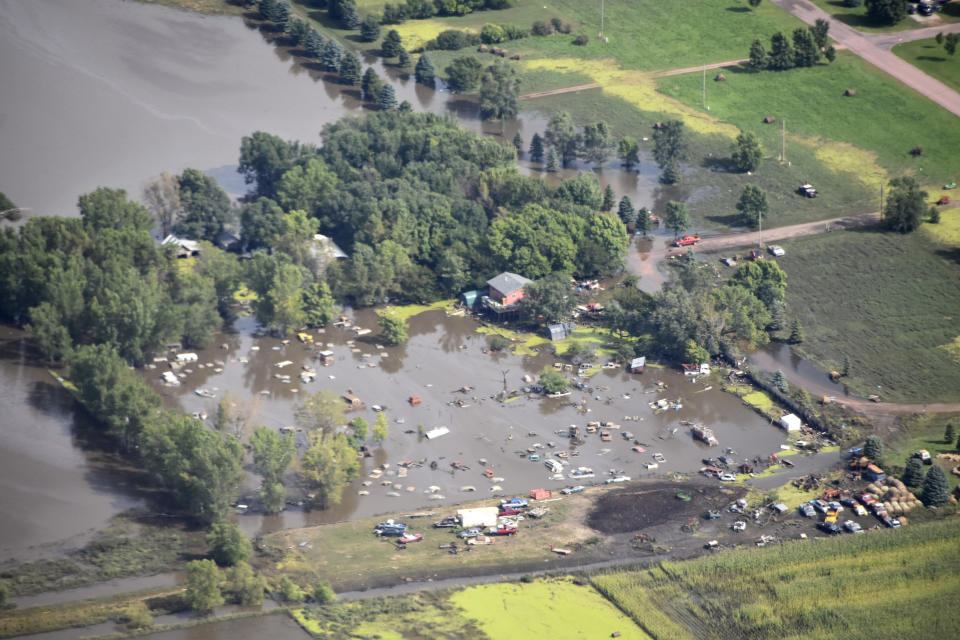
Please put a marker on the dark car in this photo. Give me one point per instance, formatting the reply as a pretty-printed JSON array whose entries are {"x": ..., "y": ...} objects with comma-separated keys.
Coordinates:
[
  {"x": 470, "y": 533},
  {"x": 828, "y": 527},
  {"x": 925, "y": 9},
  {"x": 448, "y": 522}
]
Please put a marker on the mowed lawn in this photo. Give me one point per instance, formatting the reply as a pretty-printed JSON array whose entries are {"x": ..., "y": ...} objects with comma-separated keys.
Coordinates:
[
  {"x": 932, "y": 59},
  {"x": 878, "y": 585},
  {"x": 856, "y": 17},
  {"x": 884, "y": 117},
  {"x": 889, "y": 302}
]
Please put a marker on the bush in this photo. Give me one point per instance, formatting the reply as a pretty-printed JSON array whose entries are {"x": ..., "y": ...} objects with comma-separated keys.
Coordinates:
[
  {"x": 453, "y": 39},
  {"x": 526, "y": 578},
  {"x": 852, "y": 3},
  {"x": 136, "y": 616},
  {"x": 492, "y": 34},
  {"x": 581, "y": 40},
  {"x": 513, "y": 32},
  {"x": 541, "y": 28},
  {"x": 556, "y": 23},
  {"x": 499, "y": 343}
]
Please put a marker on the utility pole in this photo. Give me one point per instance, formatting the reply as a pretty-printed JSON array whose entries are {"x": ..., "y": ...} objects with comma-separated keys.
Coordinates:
[
  {"x": 783, "y": 140},
  {"x": 881, "y": 202},
  {"x": 704, "y": 86},
  {"x": 601, "y": 18}
]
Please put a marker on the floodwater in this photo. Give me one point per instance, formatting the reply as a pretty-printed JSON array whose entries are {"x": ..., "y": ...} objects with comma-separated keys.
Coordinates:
[
  {"x": 444, "y": 355},
  {"x": 110, "y": 93},
  {"x": 277, "y": 627},
  {"x": 57, "y": 482},
  {"x": 798, "y": 370}
]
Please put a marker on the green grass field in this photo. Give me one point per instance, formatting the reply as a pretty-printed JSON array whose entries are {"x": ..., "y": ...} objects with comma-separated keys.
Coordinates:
[
  {"x": 924, "y": 431},
  {"x": 884, "y": 119},
  {"x": 856, "y": 17},
  {"x": 932, "y": 59},
  {"x": 887, "y": 301},
  {"x": 885, "y": 584}
]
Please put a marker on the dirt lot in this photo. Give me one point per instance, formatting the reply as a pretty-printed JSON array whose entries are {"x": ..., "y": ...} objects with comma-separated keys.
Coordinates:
[{"x": 641, "y": 506}]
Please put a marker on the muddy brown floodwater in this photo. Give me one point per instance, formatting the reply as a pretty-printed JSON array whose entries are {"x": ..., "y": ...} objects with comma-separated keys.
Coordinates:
[{"x": 445, "y": 354}]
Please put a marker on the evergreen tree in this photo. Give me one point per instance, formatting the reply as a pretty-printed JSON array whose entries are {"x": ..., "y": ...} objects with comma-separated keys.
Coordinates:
[
  {"x": 629, "y": 152},
  {"x": 350, "y": 69},
  {"x": 796, "y": 333},
  {"x": 949, "y": 433},
  {"x": 370, "y": 29},
  {"x": 314, "y": 44},
  {"x": 403, "y": 58},
  {"x": 609, "y": 199},
  {"x": 781, "y": 53},
  {"x": 780, "y": 381},
  {"x": 913, "y": 474},
  {"x": 873, "y": 448},
  {"x": 806, "y": 53},
  {"x": 819, "y": 31},
  {"x": 424, "y": 71},
  {"x": 391, "y": 45},
  {"x": 845, "y": 371},
  {"x": 758, "y": 56},
  {"x": 552, "y": 161},
  {"x": 372, "y": 85},
  {"x": 331, "y": 55},
  {"x": 643, "y": 220},
  {"x": 830, "y": 53},
  {"x": 625, "y": 210},
  {"x": 536, "y": 148},
  {"x": 349, "y": 16},
  {"x": 388, "y": 97},
  {"x": 936, "y": 489},
  {"x": 518, "y": 143}
]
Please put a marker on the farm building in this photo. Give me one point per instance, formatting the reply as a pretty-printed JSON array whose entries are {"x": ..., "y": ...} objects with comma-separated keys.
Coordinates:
[
  {"x": 185, "y": 248},
  {"x": 479, "y": 517},
  {"x": 539, "y": 494},
  {"x": 874, "y": 473},
  {"x": 560, "y": 330},
  {"x": 469, "y": 298},
  {"x": 790, "y": 422},
  {"x": 506, "y": 291}
]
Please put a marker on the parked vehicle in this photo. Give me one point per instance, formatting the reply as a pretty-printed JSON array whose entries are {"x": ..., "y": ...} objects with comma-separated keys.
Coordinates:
[
  {"x": 480, "y": 539},
  {"x": 831, "y": 516},
  {"x": 807, "y": 190},
  {"x": 568, "y": 490},
  {"x": 686, "y": 241},
  {"x": 728, "y": 477},
  {"x": 553, "y": 465},
  {"x": 616, "y": 479},
  {"x": 515, "y": 503},
  {"x": 807, "y": 510},
  {"x": 820, "y": 505},
  {"x": 447, "y": 523},
  {"x": 776, "y": 250},
  {"x": 508, "y": 511},
  {"x": 866, "y": 499},
  {"x": 739, "y": 525},
  {"x": 502, "y": 530},
  {"x": 410, "y": 537},
  {"x": 924, "y": 456},
  {"x": 390, "y": 528},
  {"x": 828, "y": 527},
  {"x": 860, "y": 510},
  {"x": 469, "y": 533},
  {"x": 852, "y": 526}
]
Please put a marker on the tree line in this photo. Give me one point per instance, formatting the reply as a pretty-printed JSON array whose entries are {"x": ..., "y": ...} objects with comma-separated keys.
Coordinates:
[{"x": 807, "y": 47}]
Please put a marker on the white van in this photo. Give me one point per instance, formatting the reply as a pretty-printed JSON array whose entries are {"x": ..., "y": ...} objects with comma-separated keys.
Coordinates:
[{"x": 553, "y": 465}]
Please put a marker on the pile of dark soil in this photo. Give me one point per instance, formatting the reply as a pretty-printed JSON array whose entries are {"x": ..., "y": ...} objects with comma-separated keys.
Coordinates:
[{"x": 649, "y": 504}]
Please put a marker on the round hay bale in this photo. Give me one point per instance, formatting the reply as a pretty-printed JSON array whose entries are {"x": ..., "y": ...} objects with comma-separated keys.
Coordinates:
[
  {"x": 873, "y": 488},
  {"x": 769, "y": 120},
  {"x": 888, "y": 506},
  {"x": 850, "y": 93},
  {"x": 483, "y": 48},
  {"x": 720, "y": 78},
  {"x": 504, "y": 53},
  {"x": 898, "y": 483},
  {"x": 515, "y": 56},
  {"x": 903, "y": 520},
  {"x": 897, "y": 507}
]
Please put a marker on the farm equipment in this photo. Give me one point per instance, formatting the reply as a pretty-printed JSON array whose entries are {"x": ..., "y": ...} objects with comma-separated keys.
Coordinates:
[
  {"x": 807, "y": 190},
  {"x": 950, "y": 185},
  {"x": 944, "y": 200}
]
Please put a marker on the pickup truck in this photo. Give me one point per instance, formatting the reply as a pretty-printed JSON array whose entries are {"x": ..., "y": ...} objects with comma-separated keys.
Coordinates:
[
  {"x": 502, "y": 530},
  {"x": 686, "y": 241}
]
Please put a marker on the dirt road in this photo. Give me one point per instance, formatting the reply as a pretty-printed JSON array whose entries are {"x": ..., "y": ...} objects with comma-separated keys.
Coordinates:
[
  {"x": 869, "y": 50},
  {"x": 890, "y": 40},
  {"x": 554, "y": 92}
]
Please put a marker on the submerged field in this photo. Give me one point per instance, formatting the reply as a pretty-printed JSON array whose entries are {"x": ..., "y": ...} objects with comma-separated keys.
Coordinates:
[
  {"x": 897, "y": 322},
  {"x": 884, "y": 584}
]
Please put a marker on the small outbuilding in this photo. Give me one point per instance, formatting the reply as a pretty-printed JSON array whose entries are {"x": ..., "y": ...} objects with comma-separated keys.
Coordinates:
[
  {"x": 637, "y": 364},
  {"x": 415, "y": 400},
  {"x": 539, "y": 494},
  {"x": 436, "y": 433},
  {"x": 874, "y": 473},
  {"x": 560, "y": 330},
  {"x": 790, "y": 422},
  {"x": 478, "y": 517}
]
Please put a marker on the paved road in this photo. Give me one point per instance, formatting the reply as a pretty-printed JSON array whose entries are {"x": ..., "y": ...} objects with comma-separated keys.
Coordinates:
[
  {"x": 890, "y": 40},
  {"x": 868, "y": 49}
]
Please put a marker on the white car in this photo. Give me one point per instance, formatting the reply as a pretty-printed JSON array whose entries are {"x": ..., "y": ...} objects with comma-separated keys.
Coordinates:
[
  {"x": 618, "y": 479},
  {"x": 852, "y": 527},
  {"x": 777, "y": 250},
  {"x": 728, "y": 477}
]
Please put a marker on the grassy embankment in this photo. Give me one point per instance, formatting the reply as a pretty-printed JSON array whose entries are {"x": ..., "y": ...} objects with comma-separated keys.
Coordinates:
[
  {"x": 932, "y": 59},
  {"x": 889, "y": 584},
  {"x": 856, "y": 17},
  {"x": 897, "y": 323},
  {"x": 348, "y": 553},
  {"x": 925, "y": 431}
]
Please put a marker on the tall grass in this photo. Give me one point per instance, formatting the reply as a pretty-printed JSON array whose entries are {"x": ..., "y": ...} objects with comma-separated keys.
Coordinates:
[{"x": 890, "y": 584}]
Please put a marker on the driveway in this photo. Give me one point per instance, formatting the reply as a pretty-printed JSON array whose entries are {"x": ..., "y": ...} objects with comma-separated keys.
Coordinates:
[{"x": 867, "y": 47}]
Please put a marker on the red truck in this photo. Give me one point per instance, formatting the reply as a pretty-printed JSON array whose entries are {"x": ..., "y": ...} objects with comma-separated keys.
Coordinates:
[
  {"x": 686, "y": 241},
  {"x": 502, "y": 530}
]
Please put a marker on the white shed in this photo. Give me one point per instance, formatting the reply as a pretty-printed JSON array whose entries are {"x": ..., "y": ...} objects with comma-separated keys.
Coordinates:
[
  {"x": 790, "y": 422},
  {"x": 479, "y": 517},
  {"x": 436, "y": 433}
]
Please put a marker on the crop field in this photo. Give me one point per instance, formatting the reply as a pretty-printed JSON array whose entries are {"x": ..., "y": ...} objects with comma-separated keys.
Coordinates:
[
  {"x": 898, "y": 320},
  {"x": 884, "y": 584},
  {"x": 884, "y": 121},
  {"x": 932, "y": 59}
]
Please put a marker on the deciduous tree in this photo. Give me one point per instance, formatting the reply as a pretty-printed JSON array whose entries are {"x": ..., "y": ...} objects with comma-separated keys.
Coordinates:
[
  {"x": 752, "y": 205},
  {"x": 669, "y": 149},
  {"x": 499, "y": 92},
  {"x": 228, "y": 544},
  {"x": 746, "y": 151},
  {"x": 629, "y": 152},
  {"x": 394, "y": 329},
  {"x": 886, "y": 12},
  {"x": 549, "y": 299},
  {"x": 677, "y": 219},
  {"x": 162, "y": 197},
  {"x": 203, "y": 586},
  {"x": 553, "y": 381},
  {"x": 905, "y": 204},
  {"x": 328, "y": 464},
  {"x": 380, "y": 428},
  {"x": 463, "y": 74},
  {"x": 562, "y": 136}
]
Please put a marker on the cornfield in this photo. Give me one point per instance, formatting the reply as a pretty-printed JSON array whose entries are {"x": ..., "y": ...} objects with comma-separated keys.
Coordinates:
[{"x": 887, "y": 584}]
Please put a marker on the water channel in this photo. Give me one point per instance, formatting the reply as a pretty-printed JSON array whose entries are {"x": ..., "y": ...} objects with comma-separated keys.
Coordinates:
[{"x": 110, "y": 93}]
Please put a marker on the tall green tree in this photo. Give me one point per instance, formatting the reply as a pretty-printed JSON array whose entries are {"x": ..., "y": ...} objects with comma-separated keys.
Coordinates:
[
  {"x": 424, "y": 71},
  {"x": 886, "y": 12},
  {"x": 321, "y": 411},
  {"x": 371, "y": 85},
  {"x": 949, "y": 433},
  {"x": 319, "y": 306},
  {"x": 905, "y": 205},
  {"x": 596, "y": 143},
  {"x": 873, "y": 448},
  {"x": 272, "y": 453},
  {"x": 536, "y": 148},
  {"x": 370, "y": 28},
  {"x": 553, "y": 381},
  {"x": 48, "y": 328},
  {"x": 162, "y": 197},
  {"x": 805, "y": 51},
  {"x": 549, "y": 299},
  {"x": 380, "y": 428},
  {"x": 764, "y": 278},
  {"x": 746, "y": 151},
  {"x": 782, "y": 56},
  {"x": 758, "y": 57},
  {"x": 265, "y": 157},
  {"x": 643, "y": 220},
  {"x": 203, "y": 586},
  {"x": 204, "y": 206},
  {"x": 105, "y": 209},
  {"x": 913, "y": 474},
  {"x": 609, "y": 198},
  {"x": 391, "y": 45},
  {"x": 394, "y": 329},
  {"x": 403, "y": 58},
  {"x": 561, "y": 135},
  {"x": 328, "y": 464},
  {"x": 331, "y": 56},
  {"x": 305, "y": 186},
  {"x": 518, "y": 143},
  {"x": 499, "y": 92},
  {"x": 553, "y": 162},
  {"x": 314, "y": 43},
  {"x": 279, "y": 287},
  {"x": 669, "y": 149},
  {"x": 463, "y": 74},
  {"x": 677, "y": 219},
  {"x": 753, "y": 205},
  {"x": 629, "y": 152},
  {"x": 229, "y": 545},
  {"x": 819, "y": 31},
  {"x": 625, "y": 210},
  {"x": 349, "y": 69},
  {"x": 796, "y": 333},
  {"x": 246, "y": 586},
  {"x": 388, "y": 98},
  {"x": 936, "y": 489}
]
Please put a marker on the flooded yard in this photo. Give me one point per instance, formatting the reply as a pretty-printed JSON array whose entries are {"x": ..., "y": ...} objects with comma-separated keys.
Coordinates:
[{"x": 493, "y": 447}]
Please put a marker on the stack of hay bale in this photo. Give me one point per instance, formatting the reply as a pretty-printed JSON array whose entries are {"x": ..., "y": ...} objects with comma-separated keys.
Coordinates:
[{"x": 896, "y": 498}]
